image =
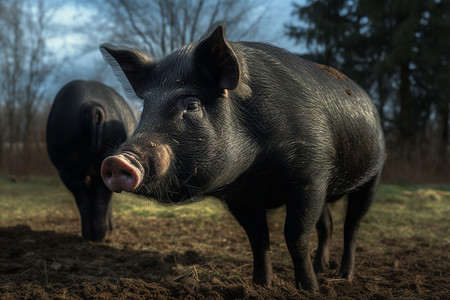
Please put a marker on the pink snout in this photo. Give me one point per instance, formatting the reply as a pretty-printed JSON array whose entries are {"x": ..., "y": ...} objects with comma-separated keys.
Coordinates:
[{"x": 122, "y": 172}]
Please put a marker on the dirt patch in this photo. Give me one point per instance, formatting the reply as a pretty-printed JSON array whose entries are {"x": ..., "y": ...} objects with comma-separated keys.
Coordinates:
[
  {"x": 332, "y": 71},
  {"x": 172, "y": 258}
]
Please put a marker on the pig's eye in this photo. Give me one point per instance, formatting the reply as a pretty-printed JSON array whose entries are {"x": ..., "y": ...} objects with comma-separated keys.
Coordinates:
[{"x": 191, "y": 104}]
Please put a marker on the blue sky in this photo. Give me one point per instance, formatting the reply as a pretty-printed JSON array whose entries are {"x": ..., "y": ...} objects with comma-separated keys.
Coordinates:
[
  {"x": 75, "y": 12},
  {"x": 70, "y": 45}
]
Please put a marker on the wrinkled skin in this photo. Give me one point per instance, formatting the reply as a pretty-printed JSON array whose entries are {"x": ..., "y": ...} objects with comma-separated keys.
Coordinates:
[
  {"x": 256, "y": 127},
  {"x": 87, "y": 121}
]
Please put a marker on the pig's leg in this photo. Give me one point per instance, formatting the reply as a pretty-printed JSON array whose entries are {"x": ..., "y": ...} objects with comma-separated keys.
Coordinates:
[
  {"x": 80, "y": 190},
  {"x": 102, "y": 216},
  {"x": 358, "y": 205},
  {"x": 254, "y": 223},
  {"x": 110, "y": 220},
  {"x": 302, "y": 213},
  {"x": 324, "y": 231}
]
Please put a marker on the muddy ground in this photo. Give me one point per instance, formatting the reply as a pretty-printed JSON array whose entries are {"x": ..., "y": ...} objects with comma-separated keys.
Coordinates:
[{"x": 171, "y": 258}]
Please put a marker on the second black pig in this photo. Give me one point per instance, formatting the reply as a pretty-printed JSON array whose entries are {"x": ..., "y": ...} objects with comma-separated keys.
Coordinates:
[
  {"x": 87, "y": 122},
  {"x": 257, "y": 127}
]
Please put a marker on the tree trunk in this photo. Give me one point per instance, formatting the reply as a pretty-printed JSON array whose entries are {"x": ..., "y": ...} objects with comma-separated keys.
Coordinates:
[
  {"x": 381, "y": 98},
  {"x": 445, "y": 114},
  {"x": 406, "y": 122}
]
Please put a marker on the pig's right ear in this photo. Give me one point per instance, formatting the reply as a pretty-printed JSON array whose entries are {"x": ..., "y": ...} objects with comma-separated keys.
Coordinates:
[
  {"x": 130, "y": 66},
  {"x": 214, "y": 56}
]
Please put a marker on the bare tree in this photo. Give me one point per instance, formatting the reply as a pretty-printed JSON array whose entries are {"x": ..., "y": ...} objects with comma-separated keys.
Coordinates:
[
  {"x": 160, "y": 26},
  {"x": 24, "y": 67}
]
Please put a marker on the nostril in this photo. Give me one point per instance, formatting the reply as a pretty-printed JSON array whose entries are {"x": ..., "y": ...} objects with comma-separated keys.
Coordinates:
[{"x": 127, "y": 175}]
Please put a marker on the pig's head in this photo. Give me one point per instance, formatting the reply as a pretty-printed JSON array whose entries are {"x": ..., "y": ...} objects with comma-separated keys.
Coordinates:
[{"x": 189, "y": 141}]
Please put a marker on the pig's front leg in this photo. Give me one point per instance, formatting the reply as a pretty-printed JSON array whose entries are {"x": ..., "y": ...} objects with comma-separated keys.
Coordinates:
[{"x": 255, "y": 225}]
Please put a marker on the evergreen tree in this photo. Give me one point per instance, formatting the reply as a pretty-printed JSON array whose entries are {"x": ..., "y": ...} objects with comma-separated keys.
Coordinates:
[{"x": 396, "y": 49}]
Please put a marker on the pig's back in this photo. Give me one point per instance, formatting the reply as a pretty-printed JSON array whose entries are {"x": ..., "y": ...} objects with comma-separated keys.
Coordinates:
[
  {"x": 329, "y": 117},
  {"x": 68, "y": 136}
]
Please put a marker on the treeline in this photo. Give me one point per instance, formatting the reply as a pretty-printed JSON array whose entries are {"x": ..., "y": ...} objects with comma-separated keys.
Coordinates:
[
  {"x": 25, "y": 66},
  {"x": 399, "y": 52}
]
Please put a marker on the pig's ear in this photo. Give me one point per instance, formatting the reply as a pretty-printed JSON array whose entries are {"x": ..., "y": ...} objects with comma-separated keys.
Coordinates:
[
  {"x": 214, "y": 56},
  {"x": 130, "y": 66}
]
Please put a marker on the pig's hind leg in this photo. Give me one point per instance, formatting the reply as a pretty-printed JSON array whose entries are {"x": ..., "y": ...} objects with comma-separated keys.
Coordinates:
[
  {"x": 102, "y": 217},
  {"x": 80, "y": 190},
  {"x": 303, "y": 211},
  {"x": 359, "y": 202},
  {"x": 324, "y": 231}
]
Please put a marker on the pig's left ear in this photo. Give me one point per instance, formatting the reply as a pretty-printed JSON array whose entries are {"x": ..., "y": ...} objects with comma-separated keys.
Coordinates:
[
  {"x": 130, "y": 66},
  {"x": 214, "y": 56}
]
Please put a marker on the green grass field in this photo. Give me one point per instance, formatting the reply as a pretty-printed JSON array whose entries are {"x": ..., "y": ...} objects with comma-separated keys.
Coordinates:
[
  {"x": 33, "y": 196},
  {"x": 399, "y": 211}
]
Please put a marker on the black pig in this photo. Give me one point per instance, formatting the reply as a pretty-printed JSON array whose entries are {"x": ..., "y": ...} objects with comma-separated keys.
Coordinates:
[
  {"x": 87, "y": 121},
  {"x": 256, "y": 127}
]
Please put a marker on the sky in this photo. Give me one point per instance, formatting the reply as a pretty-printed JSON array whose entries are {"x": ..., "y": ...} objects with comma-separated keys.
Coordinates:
[
  {"x": 69, "y": 45},
  {"x": 75, "y": 12}
]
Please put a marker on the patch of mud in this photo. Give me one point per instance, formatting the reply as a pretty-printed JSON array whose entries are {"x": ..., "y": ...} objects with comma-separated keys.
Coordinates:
[
  {"x": 169, "y": 258},
  {"x": 332, "y": 71}
]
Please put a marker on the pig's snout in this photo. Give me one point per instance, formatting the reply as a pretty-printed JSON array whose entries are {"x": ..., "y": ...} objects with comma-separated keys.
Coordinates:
[{"x": 122, "y": 172}]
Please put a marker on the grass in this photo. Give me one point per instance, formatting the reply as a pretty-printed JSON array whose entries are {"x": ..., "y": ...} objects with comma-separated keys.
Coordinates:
[
  {"x": 405, "y": 211},
  {"x": 400, "y": 211},
  {"x": 26, "y": 197},
  {"x": 127, "y": 205},
  {"x": 32, "y": 196}
]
